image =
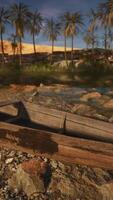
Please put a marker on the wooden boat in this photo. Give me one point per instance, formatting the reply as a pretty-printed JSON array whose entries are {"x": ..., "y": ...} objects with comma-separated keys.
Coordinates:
[{"x": 56, "y": 134}]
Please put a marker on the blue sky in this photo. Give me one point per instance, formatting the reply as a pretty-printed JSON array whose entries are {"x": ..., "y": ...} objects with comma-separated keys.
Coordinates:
[{"x": 52, "y": 8}]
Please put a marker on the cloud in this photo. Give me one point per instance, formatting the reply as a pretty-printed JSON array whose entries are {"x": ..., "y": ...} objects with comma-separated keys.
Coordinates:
[{"x": 50, "y": 12}]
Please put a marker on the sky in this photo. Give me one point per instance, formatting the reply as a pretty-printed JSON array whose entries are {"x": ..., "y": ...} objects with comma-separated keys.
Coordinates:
[{"x": 53, "y": 8}]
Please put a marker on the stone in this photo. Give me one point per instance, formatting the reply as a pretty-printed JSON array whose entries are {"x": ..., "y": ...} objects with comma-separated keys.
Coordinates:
[
  {"x": 41, "y": 85},
  {"x": 67, "y": 187},
  {"x": 110, "y": 93},
  {"x": 108, "y": 104},
  {"x": 79, "y": 62},
  {"x": 111, "y": 119},
  {"x": 23, "y": 88},
  {"x": 90, "y": 96},
  {"x": 29, "y": 177},
  {"x": 30, "y": 88},
  {"x": 54, "y": 164},
  {"x": 83, "y": 109},
  {"x": 100, "y": 176},
  {"x": 64, "y": 185},
  {"x": 100, "y": 101},
  {"x": 9, "y": 160},
  {"x": 100, "y": 117},
  {"x": 61, "y": 64},
  {"x": 107, "y": 191}
]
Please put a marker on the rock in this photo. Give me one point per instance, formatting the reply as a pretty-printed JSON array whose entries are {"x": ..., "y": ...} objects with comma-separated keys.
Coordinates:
[
  {"x": 9, "y": 160},
  {"x": 88, "y": 189},
  {"x": 109, "y": 104},
  {"x": 79, "y": 62},
  {"x": 107, "y": 191},
  {"x": 83, "y": 109},
  {"x": 14, "y": 86},
  {"x": 54, "y": 164},
  {"x": 110, "y": 93},
  {"x": 90, "y": 96},
  {"x": 30, "y": 88},
  {"x": 100, "y": 101},
  {"x": 100, "y": 176},
  {"x": 61, "y": 64},
  {"x": 41, "y": 85},
  {"x": 29, "y": 177},
  {"x": 67, "y": 187},
  {"x": 64, "y": 185},
  {"x": 23, "y": 88},
  {"x": 111, "y": 119},
  {"x": 100, "y": 117}
]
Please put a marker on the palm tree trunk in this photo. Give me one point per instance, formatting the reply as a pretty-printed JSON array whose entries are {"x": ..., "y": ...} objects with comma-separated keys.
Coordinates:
[
  {"x": 110, "y": 39},
  {"x": 52, "y": 51},
  {"x": 14, "y": 49},
  {"x": 93, "y": 42},
  {"x": 20, "y": 59},
  {"x": 65, "y": 49},
  {"x": 105, "y": 38},
  {"x": 72, "y": 50},
  {"x": 2, "y": 47},
  {"x": 34, "y": 46},
  {"x": 14, "y": 53}
]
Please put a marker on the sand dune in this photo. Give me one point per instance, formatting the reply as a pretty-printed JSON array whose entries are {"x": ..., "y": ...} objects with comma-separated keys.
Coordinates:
[{"x": 28, "y": 48}]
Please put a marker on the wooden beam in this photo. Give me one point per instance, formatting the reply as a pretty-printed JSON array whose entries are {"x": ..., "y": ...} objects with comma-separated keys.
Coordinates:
[
  {"x": 64, "y": 148},
  {"x": 9, "y": 102},
  {"x": 70, "y": 124},
  {"x": 74, "y": 125}
]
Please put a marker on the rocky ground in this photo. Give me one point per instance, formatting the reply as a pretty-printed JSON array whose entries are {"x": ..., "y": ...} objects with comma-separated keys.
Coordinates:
[{"x": 23, "y": 176}]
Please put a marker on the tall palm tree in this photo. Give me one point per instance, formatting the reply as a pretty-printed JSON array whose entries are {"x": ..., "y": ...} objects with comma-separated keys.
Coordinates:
[
  {"x": 63, "y": 21},
  {"x": 14, "y": 43},
  {"x": 105, "y": 18},
  {"x": 52, "y": 30},
  {"x": 35, "y": 25},
  {"x": 3, "y": 21},
  {"x": 73, "y": 22},
  {"x": 92, "y": 26},
  {"x": 19, "y": 14},
  {"x": 87, "y": 39}
]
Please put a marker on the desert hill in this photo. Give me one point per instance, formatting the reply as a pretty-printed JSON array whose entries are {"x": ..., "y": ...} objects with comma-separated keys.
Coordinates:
[{"x": 28, "y": 48}]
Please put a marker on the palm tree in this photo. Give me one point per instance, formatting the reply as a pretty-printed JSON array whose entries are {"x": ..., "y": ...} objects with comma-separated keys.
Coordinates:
[
  {"x": 87, "y": 39},
  {"x": 14, "y": 43},
  {"x": 34, "y": 25},
  {"x": 3, "y": 21},
  {"x": 92, "y": 26},
  {"x": 52, "y": 30},
  {"x": 105, "y": 18},
  {"x": 19, "y": 17},
  {"x": 73, "y": 22},
  {"x": 63, "y": 21}
]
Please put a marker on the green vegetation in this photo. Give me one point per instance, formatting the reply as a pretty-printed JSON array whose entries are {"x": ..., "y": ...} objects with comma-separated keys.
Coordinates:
[
  {"x": 68, "y": 25},
  {"x": 94, "y": 70},
  {"x": 88, "y": 73}
]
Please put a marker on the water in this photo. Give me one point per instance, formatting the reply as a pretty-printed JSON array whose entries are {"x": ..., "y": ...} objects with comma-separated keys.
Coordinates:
[{"x": 72, "y": 94}]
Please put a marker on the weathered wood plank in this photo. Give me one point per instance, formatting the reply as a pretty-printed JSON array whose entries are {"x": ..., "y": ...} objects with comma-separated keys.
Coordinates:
[
  {"x": 64, "y": 148},
  {"x": 67, "y": 123},
  {"x": 8, "y": 102},
  {"x": 73, "y": 124},
  {"x": 8, "y": 107}
]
